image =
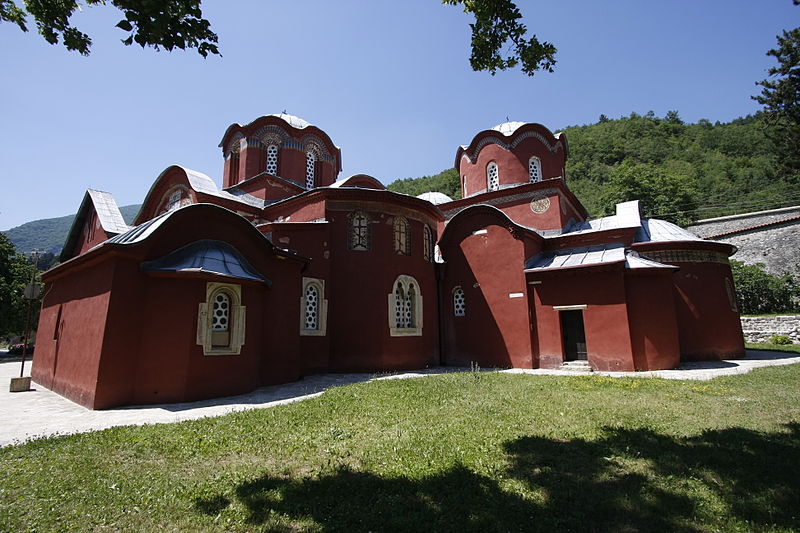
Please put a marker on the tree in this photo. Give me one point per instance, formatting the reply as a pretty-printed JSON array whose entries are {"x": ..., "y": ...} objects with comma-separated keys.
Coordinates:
[
  {"x": 663, "y": 194},
  {"x": 497, "y": 25},
  {"x": 780, "y": 97},
  {"x": 165, "y": 23},
  {"x": 15, "y": 273},
  {"x": 759, "y": 292}
]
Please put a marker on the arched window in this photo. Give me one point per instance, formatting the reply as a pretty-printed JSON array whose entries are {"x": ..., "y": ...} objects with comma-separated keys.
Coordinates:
[
  {"x": 459, "y": 302},
  {"x": 405, "y": 306},
  {"x": 311, "y": 161},
  {"x": 313, "y": 308},
  {"x": 221, "y": 320},
  {"x": 402, "y": 236},
  {"x": 535, "y": 169},
  {"x": 272, "y": 159},
  {"x": 358, "y": 232},
  {"x": 427, "y": 243},
  {"x": 464, "y": 186},
  {"x": 492, "y": 177}
]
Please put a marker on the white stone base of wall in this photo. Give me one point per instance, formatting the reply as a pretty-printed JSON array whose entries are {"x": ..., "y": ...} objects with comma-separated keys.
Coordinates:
[{"x": 761, "y": 328}]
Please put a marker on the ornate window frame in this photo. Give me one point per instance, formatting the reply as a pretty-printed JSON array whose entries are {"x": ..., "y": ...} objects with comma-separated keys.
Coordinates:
[
  {"x": 402, "y": 236},
  {"x": 359, "y": 234},
  {"x": 459, "y": 302},
  {"x": 427, "y": 243},
  {"x": 535, "y": 169},
  {"x": 321, "y": 308},
  {"x": 405, "y": 308},
  {"x": 492, "y": 177},
  {"x": 236, "y": 320}
]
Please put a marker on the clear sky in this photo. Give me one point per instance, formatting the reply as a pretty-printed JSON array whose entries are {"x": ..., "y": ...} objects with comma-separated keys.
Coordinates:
[{"x": 389, "y": 81}]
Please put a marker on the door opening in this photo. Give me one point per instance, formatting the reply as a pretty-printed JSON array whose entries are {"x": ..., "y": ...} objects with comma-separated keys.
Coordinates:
[{"x": 574, "y": 335}]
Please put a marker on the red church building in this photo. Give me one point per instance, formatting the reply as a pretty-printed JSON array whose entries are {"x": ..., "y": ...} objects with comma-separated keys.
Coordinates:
[{"x": 288, "y": 271}]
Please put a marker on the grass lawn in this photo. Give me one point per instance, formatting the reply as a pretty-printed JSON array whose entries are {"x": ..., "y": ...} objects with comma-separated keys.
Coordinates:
[
  {"x": 789, "y": 348},
  {"x": 457, "y": 452}
]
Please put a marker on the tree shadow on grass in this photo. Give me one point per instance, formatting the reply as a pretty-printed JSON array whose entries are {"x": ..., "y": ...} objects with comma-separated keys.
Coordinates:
[{"x": 626, "y": 480}]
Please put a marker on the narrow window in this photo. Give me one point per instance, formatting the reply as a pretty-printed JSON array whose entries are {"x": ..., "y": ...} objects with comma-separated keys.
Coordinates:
[
  {"x": 427, "y": 243},
  {"x": 220, "y": 321},
  {"x": 492, "y": 176},
  {"x": 399, "y": 305},
  {"x": 272, "y": 159},
  {"x": 410, "y": 318},
  {"x": 359, "y": 238},
  {"x": 535, "y": 169},
  {"x": 405, "y": 308},
  {"x": 402, "y": 236},
  {"x": 459, "y": 302},
  {"x": 464, "y": 185},
  {"x": 311, "y": 161},
  {"x": 312, "y": 307}
]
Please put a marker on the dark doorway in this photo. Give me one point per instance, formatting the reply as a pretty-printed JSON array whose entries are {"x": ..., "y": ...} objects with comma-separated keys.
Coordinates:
[{"x": 574, "y": 335}]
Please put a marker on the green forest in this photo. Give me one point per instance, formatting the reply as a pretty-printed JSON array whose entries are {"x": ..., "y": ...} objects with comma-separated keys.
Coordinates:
[{"x": 680, "y": 172}]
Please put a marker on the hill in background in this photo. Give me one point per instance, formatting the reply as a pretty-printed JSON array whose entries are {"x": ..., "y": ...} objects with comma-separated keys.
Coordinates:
[{"x": 48, "y": 235}]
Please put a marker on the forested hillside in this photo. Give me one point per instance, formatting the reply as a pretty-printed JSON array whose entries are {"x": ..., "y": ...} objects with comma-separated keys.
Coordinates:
[{"x": 681, "y": 172}]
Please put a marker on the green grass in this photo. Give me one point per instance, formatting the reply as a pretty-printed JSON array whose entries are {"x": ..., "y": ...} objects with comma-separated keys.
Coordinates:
[
  {"x": 457, "y": 452},
  {"x": 790, "y": 348}
]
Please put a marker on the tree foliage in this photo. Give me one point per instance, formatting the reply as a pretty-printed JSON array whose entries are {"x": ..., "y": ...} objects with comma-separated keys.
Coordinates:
[
  {"x": 15, "y": 274},
  {"x": 759, "y": 292},
  {"x": 780, "y": 96},
  {"x": 167, "y": 24},
  {"x": 446, "y": 182},
  {"x": 497, "y": 26}
]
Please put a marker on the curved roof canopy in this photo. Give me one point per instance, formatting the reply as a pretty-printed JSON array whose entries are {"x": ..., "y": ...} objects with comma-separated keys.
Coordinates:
[
  {"x": 435, "y": 197},
  {"x": 207, "y": 256}
]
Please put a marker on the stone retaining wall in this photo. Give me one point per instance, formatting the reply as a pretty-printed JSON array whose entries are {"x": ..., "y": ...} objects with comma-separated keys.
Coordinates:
[{"x": 760, "y": 328}]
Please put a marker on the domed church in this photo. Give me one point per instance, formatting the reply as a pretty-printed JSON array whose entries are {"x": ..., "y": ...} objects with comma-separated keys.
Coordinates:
[{"x": 289, "y": 270}]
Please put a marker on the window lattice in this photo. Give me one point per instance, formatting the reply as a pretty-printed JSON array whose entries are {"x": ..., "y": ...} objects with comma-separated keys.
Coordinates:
[
  {"x": 402, "y": 236},
  {"x": 359, "y": 231},
  {"x": 535, "y": 169},
  {"x": 404, "y": 304},
  {"x": 174, "y": 201},
  {"x": 272, "y": 159},
  {"x": 311, "y": 161},
  {"x": 409, "y": 307},
  {"x": 493, "y": 177},
  {"x": 459, "y": 302},
  {"x": 312, "y": 307},
  {"x": 220, "y": 310},
  {"x": 427, "y": 244}
]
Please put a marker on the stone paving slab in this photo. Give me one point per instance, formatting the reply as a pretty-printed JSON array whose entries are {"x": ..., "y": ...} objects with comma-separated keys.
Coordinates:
[{"x": 40, "y": 412}]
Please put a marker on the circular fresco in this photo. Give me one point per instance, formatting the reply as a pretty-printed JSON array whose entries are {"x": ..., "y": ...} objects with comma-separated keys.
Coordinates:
[{"x": 540, "y": 204}]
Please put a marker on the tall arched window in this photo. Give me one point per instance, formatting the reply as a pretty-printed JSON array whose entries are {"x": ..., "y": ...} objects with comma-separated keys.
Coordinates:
[
  {"x": 492, "y": 177},
  {"x": 459, "y": 302},
  {"x": 358, "y": 231},
  {"x": 464, "y": 186},
  {"x": 221, "y": 320},
  {"x": 312, "y": 307},
  {"x": 272, "y": 159},
  {"x": 402, "y": 236},
  {"x": 427, "y": 243},
  {"x": 405, "y": 308},
  {"x": 535, "y": 169},
  {"x": 311, "y": 161}
]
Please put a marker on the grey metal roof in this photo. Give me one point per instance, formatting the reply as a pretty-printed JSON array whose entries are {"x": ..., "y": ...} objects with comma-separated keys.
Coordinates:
[
  {"x": 107, "y": 212},
  {"x": 627, "y": 216},
  {"x": 656, "y": 230},
  {"x": 208, "y": 256},
  {"x": 292, "y": 120},
  {"x": 202, "y": 183},
  {"x": 142, "y": 231},
  {"x": 587, "y": 256},
  {"x": 508, "y": 128},
  {"x": 435, "y": 197}
]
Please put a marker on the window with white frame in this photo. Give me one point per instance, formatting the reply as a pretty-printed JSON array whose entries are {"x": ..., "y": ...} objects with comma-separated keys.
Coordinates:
[
  {"x": 272, "y": 159},
  {"x": 313, "y": 308},
  {"x": 459, "y": 302},
  {"x": 464, "y": 186},
  {"x": 535, "y": 169},
  {"x": 402, "y": 236},
  {"x": 492, "y": 177},
  {"x": 221, "y": 320},
  {"x": 427, "y": 243},
  {"x": 405, "y": 308},
  {"x": 311, "y": 161},
  {"x": 358, "y": 231}
]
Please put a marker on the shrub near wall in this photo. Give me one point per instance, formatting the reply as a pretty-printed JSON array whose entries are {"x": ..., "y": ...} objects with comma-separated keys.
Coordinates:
[{"x": 759, "y": 292}]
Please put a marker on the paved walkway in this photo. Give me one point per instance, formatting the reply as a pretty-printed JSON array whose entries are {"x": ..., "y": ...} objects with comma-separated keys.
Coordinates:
[{"x": 40, "y": 412}]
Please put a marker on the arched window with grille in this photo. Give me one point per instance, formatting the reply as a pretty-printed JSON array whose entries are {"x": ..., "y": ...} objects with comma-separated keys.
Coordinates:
[
  {"x": 427, "y": 243},
  {"x": 221, "y": 320},
  {"x": 535, "y": 169},
  {"x": 492, "y": 177},
  {"x": 358, "y": 231},
  {"x": 405, "y": 308},
  {"x": 459, "y": 302},
  {"x": 311, "y": 162},
  {"x": 402, "y": 236},
  {"x": 272, "y": 159},
  {"x": 313, "y": 308}
]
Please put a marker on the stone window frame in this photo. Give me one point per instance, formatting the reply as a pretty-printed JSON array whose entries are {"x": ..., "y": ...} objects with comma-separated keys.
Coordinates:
[
  {"x": 459, "y": 308},
  {"x": 236, "y": 320},
  {"x": 535, "y": 169},
  {"x": 427, "y": 243},
  {"x": 412, "y": 302},
  {"x": 322, "y": 308},
  {"x": 492, "y": 176},
  {"x": 359, "y": 237},
  {"x": 402, "y": 235}
]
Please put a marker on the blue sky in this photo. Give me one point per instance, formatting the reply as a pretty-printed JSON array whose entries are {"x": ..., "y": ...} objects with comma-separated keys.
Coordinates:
[{"x": 389, "y": 81}]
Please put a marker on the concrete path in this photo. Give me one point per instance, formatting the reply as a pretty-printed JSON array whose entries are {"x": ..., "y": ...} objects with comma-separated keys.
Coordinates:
[{"x": 40, "y": 412}]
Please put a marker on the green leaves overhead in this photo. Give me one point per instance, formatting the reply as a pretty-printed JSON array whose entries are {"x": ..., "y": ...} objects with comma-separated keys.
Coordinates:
[{"x": 497, "y": 25}]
